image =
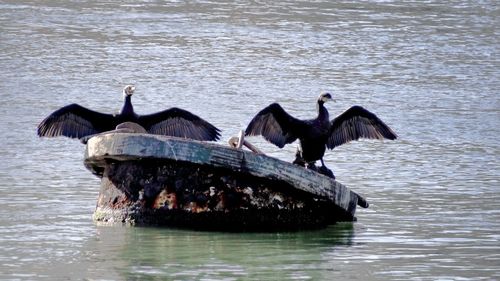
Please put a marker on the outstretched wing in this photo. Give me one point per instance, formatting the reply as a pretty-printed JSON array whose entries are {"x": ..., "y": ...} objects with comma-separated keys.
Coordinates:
[
  {"x": 275, "y": 125},
  {"x": 75, "y": 121},
  {"x": 177, "y": 122},
  {"x": 355, "y": 123}
]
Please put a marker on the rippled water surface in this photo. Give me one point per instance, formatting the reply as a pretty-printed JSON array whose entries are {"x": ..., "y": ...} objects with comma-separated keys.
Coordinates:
[{"x": 430, "y": 70}]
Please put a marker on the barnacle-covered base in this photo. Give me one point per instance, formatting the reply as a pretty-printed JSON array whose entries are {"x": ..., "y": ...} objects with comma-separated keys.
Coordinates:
[{"x": 183, "y": 194}]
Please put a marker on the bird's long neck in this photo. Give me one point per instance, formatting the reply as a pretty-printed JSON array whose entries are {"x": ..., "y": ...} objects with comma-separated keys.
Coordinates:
[
  {"x": 127, "y": 108},
  {"x": 323, "y": 115}
]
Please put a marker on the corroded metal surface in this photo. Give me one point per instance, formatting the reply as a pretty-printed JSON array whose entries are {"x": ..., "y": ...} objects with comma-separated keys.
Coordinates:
[
  {"x": 150, "y": 179},
  {"x": 152, "y": 192}
]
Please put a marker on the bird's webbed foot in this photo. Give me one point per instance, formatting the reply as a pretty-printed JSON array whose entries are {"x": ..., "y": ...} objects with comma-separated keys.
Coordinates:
[
  {"x": 298, "y": 158},
  {"x": 325, "y": 171},
  {"x": 311, "y": 166},
  {"x": 299, "y": 161}
]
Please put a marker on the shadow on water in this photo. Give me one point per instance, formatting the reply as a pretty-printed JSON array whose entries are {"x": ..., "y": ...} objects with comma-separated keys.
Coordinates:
[{"x": 147, "y": 253}]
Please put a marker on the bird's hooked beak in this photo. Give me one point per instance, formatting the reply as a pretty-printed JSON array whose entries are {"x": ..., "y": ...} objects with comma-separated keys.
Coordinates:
[
  {"x": 128, "y": 90},
  {"x": 326, "y": 97}
]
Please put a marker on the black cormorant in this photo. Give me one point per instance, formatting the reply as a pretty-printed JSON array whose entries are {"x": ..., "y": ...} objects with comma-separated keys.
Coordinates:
[
  {"x": 280, "y": 128},
  {"x": 76, "y": 121}
]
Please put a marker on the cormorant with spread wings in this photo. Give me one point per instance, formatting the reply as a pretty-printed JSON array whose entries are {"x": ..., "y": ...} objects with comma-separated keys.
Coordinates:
[
  {"x": 76, "y": 121},
  {"x": 280, "y": 128}
]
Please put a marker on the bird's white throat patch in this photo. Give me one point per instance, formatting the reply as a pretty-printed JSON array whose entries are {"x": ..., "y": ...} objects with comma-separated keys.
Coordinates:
[{"x": 128, "y": 90}]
